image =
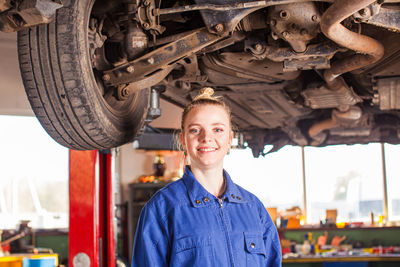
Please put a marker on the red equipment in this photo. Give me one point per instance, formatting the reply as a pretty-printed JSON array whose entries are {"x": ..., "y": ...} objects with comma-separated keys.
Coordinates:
[{"x": 91, "y": 209}]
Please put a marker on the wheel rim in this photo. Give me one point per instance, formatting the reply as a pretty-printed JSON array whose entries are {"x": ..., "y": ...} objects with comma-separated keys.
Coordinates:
[{"x": 101, "y": 48}]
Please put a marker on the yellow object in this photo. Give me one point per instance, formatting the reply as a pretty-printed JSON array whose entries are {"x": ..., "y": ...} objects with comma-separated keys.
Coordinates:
[
  {"x": 381, "y": 220},
  {"x": 368, "y": 250},
  {"x": 340, "y": 224},
  {"x": 15, "y": 260},
  {"x": 309, "y": 236}
]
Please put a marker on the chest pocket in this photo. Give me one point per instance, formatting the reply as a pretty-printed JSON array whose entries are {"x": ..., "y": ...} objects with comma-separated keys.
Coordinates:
[
  {"x": 191, "y": 251},
  {"x": 255, "y": 249}
]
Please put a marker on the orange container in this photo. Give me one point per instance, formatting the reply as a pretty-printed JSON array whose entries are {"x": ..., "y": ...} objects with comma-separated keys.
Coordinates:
[{"x": 17, "y": 260}]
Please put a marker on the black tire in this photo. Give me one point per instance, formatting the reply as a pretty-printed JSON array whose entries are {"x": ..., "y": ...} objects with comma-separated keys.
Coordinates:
[{"x": 63, "y": 90}]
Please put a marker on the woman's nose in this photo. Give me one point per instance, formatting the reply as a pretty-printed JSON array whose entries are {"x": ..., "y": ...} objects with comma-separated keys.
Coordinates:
[{"x": 205, "y": 135}]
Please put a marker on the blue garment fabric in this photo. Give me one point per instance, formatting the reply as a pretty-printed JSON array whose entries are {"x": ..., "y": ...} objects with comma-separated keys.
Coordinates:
[{"x": 183, "y": 225}]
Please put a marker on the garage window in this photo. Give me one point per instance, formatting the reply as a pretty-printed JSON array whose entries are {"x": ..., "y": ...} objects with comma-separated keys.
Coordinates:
[
  {"x": 275, "y": 179},
  {"x": 392, "y": 156},
  {"x": 34, "y": 175},
  {"x": 347, "y": 178}
]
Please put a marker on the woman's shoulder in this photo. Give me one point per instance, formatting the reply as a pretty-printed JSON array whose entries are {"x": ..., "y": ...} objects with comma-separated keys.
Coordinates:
[
  {"x": 171, "y": 195},
  {"x": 246, "y": 194},
  {"x": 250, "y": 197}
]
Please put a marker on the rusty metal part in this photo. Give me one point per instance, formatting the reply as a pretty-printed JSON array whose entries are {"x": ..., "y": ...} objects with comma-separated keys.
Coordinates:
[
  {"x": 296, "y": 23},
  {"x": 316, "y": 132},
  {"x": 315, "y": 57},
  {"x": 192, "y": 72},
  {"x": 226, "y": 12},
  {"x": 345, "y": 119},
  {"x": 351, "y": 132},
  {"x": 367, "y": 12},
  {"x": 124, "y": 91},
  {"x": 381, "y": 17},
  {"x": 207, "y": 6},
  {"x": 5, "y": 5},
  {"x": 243, "y": 66},
  {"x": 320, "y": 97},
  {"x": 253, "y": 21},
  {"x": 230, "y": 40},
  {"x": 349, "y": 117},
  {"x": 388, "y": 94},
  {"x": 160, "y": 58},
  {"x": 170, "y": 38},
  {"x": 96, "y": 47},
  {"x": 28, "y": 13},
  {"x": 369, "y": 49},
  {"x": 136, "y": 41},
  {"x": 234, "y": 37},
  {"x": 276, "y": 54},
  {"x": 229, "y": 6},
  {"x": 296, "y": 135},
  {"x": 306, "y": 64},
  {"x": 148, "y": 17}
]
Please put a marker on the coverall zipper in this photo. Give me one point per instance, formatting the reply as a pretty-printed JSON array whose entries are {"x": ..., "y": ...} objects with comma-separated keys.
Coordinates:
[{"x": 226, "y": 232}]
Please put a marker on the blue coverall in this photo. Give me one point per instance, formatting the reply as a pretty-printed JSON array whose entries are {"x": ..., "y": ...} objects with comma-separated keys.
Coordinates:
[{"x": 183, "y": 225}]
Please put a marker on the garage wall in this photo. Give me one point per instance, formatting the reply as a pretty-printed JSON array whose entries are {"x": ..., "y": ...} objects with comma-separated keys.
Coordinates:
[{"x": 13, "y": 100}]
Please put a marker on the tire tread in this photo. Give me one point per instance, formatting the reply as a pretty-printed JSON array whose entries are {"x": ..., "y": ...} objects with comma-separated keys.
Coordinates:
[{"x": 51, "y": 70}]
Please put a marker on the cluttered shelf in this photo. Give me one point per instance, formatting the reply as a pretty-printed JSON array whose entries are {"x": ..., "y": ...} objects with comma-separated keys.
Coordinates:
[
  {"x": 318, "y": 228},
  {"x": 332, "y": 244},
  {"x": 363, "y": 258},
  {"x": 350, "y": 243}
]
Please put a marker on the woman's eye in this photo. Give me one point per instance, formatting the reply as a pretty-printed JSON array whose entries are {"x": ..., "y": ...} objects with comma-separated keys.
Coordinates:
[
  {"x": 193, "y": 131},
  {"x": 218, "y": 130}
]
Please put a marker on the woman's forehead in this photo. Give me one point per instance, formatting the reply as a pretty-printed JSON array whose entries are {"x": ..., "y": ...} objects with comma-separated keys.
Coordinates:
[{"x": 208, "y": 113}]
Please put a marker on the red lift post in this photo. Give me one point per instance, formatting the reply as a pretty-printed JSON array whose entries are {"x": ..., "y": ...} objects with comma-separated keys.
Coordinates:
[{"x": 91, "y": 209}]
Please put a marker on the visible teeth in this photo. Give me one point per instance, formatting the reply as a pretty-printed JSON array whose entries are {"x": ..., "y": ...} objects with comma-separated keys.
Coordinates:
[{"x": 207, "y": 149}]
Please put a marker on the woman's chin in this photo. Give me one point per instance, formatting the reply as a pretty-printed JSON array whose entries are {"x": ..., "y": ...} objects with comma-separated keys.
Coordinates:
[{"x": 209, "y": 160}]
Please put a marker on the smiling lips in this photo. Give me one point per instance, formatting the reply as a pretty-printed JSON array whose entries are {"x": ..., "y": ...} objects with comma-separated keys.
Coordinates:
[{"x": 206, "y": 149}]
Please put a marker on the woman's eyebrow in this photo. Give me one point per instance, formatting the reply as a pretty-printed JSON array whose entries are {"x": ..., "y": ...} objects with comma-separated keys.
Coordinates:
[{"x": 213, "y": 124}]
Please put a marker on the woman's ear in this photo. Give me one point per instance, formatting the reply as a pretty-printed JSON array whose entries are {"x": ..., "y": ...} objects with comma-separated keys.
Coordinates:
[
  {"x": 230, "y": 139},
  {"x": 182, "y": 140}
]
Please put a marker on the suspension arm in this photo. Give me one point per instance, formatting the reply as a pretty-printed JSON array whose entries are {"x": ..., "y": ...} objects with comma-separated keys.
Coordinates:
[{"x": 160, "y": 58}]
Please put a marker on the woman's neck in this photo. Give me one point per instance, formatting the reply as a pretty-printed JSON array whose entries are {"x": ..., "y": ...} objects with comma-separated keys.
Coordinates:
[{"x": 211, "y": 179}]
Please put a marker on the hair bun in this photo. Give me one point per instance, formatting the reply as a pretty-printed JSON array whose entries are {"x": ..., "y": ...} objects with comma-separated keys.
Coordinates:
[{"x": 205, "y": 93}]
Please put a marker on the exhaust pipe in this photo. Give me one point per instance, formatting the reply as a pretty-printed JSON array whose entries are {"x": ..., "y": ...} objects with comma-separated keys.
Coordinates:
[
  {"x": 369, "y": 49},
  {"x": 338, "y": 119}
]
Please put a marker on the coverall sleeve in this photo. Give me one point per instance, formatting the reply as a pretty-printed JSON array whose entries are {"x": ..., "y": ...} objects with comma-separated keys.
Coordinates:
[
  {"x": 271, "y": 240},
  {"x": 151, "y": 248}
]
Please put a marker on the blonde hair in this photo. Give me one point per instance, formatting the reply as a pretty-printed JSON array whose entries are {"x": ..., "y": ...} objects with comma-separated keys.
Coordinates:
[{"x": 205, "y": 97}]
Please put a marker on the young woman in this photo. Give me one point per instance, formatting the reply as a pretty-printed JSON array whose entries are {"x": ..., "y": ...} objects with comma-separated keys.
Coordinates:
[{"x": 204, "y": 219}]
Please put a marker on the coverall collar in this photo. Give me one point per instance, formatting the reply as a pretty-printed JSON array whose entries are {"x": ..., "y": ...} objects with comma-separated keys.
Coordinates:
[{"x": 200, "y": 197}]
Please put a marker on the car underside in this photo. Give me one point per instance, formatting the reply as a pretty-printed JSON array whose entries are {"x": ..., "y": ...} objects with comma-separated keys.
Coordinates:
[{"x": 293, "y": 72}]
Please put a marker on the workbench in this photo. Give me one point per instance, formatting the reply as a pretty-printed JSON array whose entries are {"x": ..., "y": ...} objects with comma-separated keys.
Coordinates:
[{"x": 373, "y": 260}]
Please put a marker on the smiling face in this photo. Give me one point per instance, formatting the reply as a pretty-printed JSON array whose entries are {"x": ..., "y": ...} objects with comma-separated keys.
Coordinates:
[{"x": 207, "y": 135}]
